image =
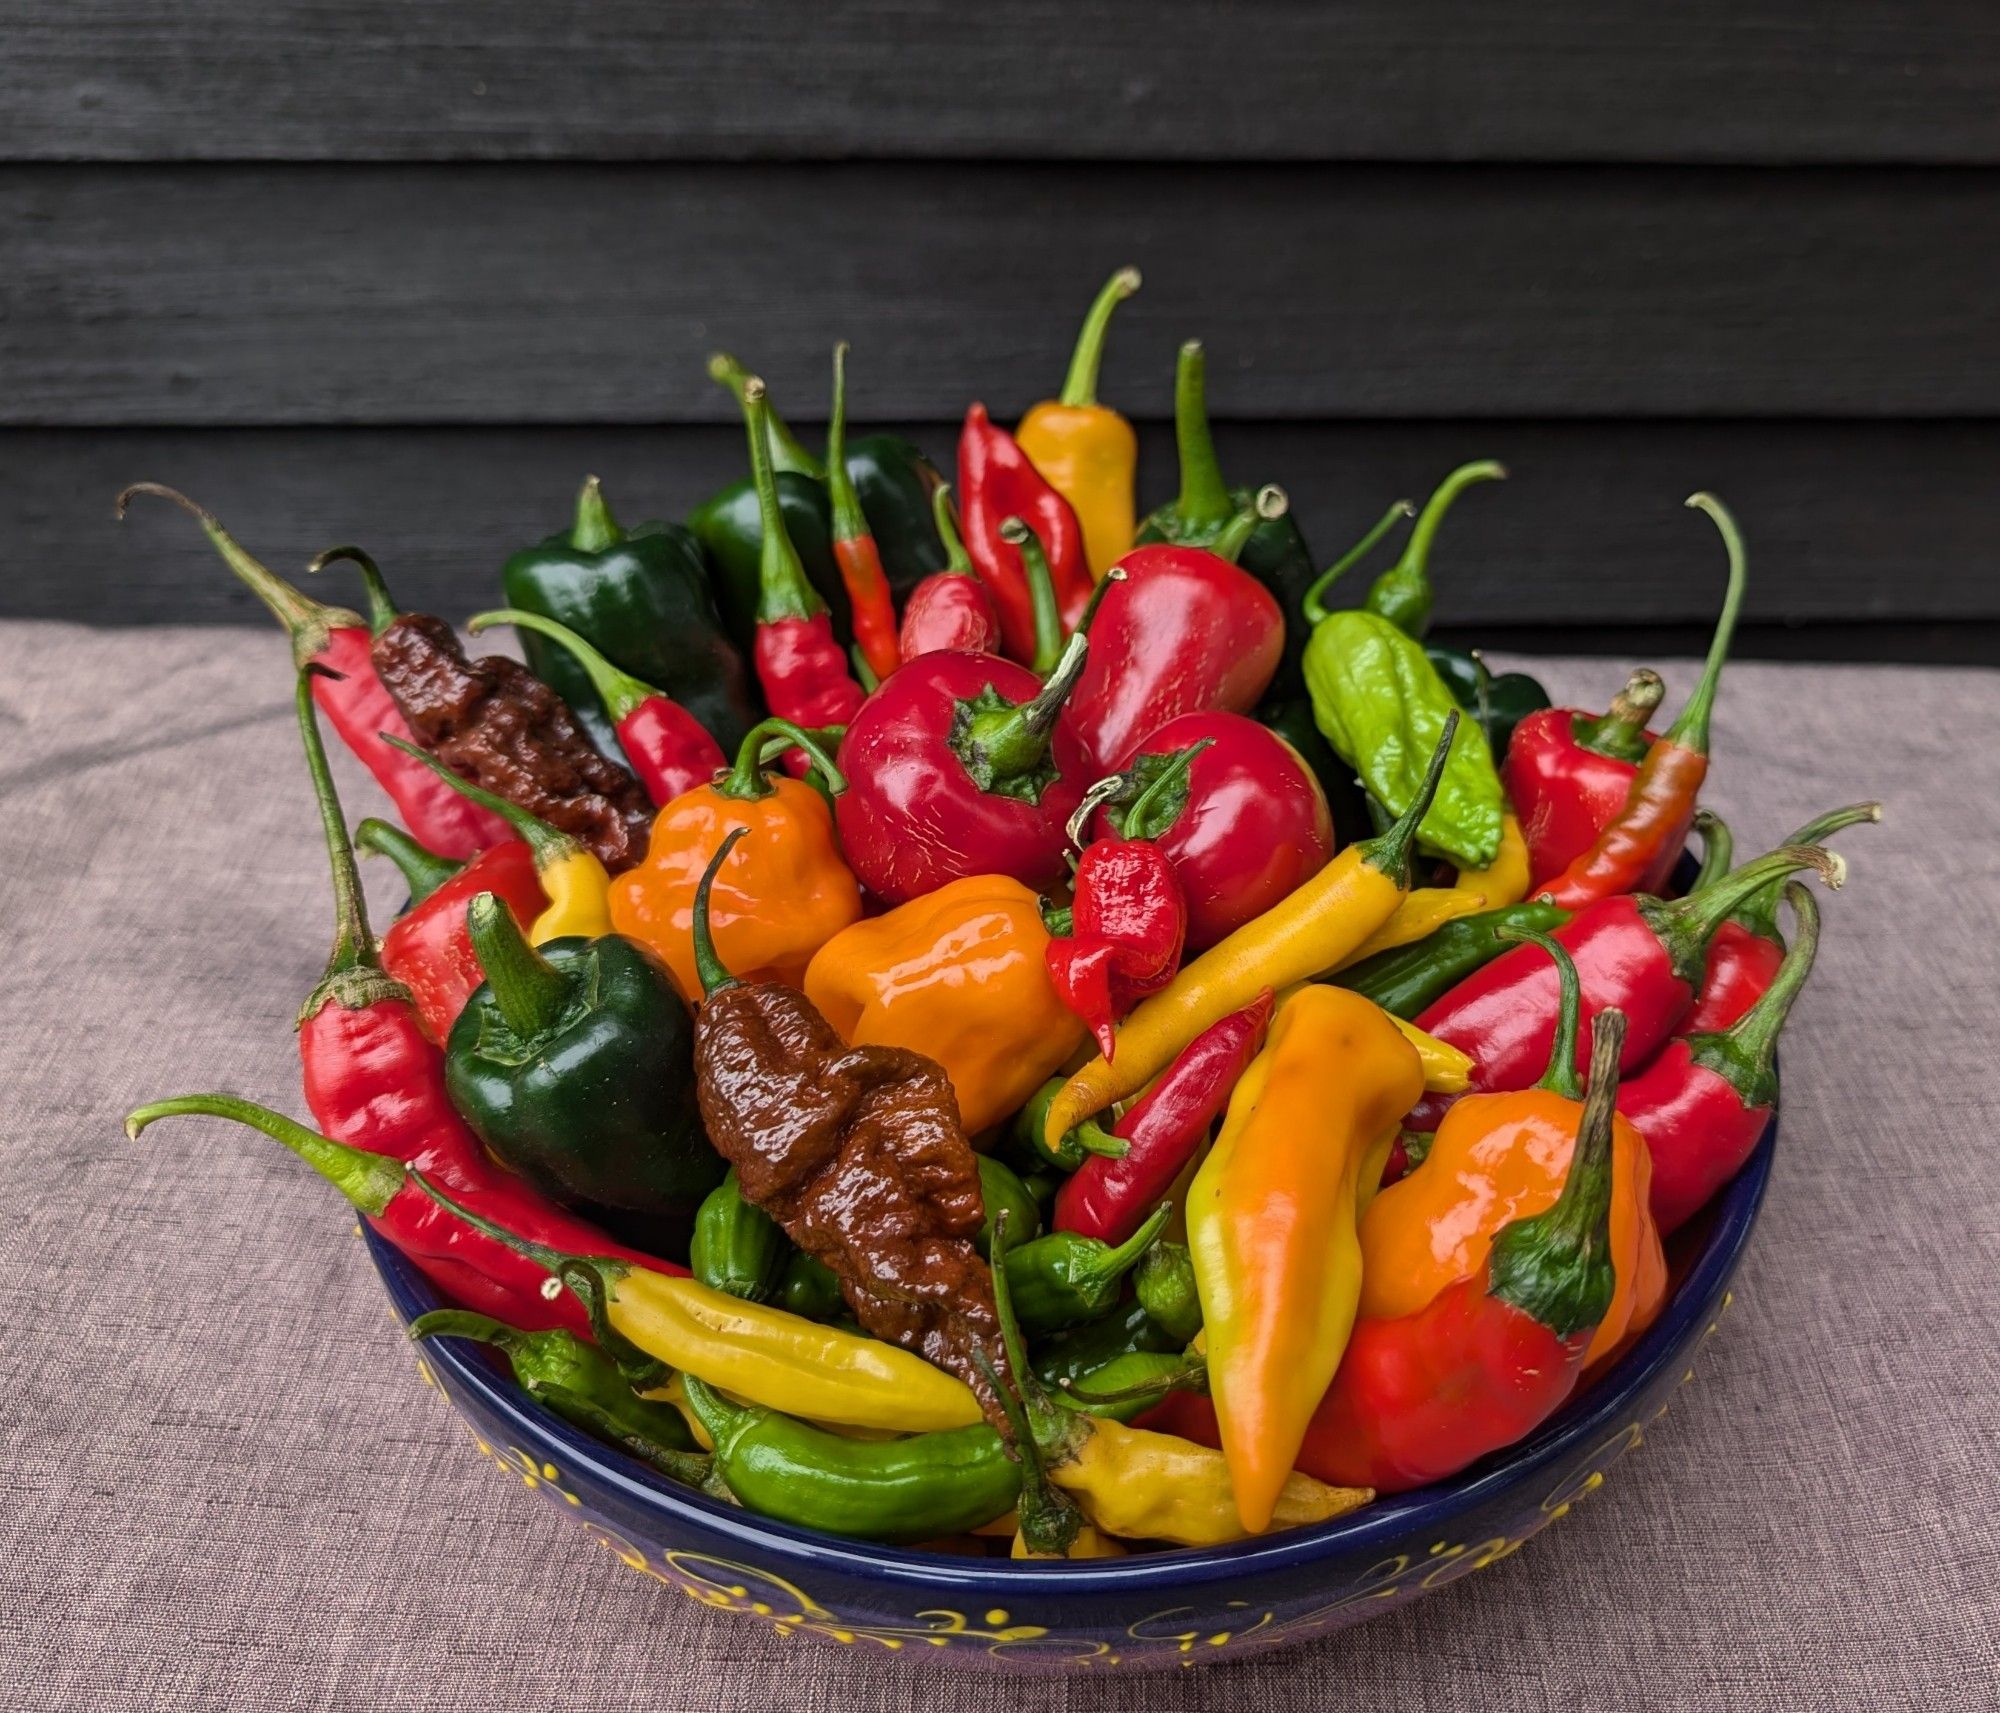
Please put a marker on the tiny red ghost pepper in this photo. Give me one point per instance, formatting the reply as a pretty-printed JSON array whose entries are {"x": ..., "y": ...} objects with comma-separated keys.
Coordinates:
[
  {"x": 950, "y": 608},
  {"x": 997, "y": 481},
  {"x": 872, "y": 610},
  {"x": 1569, "y": 772}
]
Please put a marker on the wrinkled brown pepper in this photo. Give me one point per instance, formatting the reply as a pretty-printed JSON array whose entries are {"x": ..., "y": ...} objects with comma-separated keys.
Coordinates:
[
  {"x": 492, "y": 721},
  {"x": 857, "y": 1152}
]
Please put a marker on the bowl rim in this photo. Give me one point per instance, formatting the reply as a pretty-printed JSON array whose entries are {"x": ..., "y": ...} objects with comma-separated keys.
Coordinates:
[{"x": 1427, "y": 1511}]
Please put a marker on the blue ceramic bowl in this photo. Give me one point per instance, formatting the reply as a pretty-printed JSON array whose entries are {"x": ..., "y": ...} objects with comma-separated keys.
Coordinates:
[{"x": 1174, "y": 1608}]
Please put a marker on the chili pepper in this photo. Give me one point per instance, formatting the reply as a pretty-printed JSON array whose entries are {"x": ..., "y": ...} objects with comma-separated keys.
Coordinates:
[
  {"x": 1276, "y": 553},
  {"x": 1745, "y": 954},
  {"x": 1085, "y": 450},
  {"x": 1410, "y": 978},
  {"x": 1129, "y": 923},
  {"x": 783, "y": 895},
  {"x": 1568, "y": 772},
  {"x": 1271, "y": 1224},
  {"x": 913, "y": 1489},
  {"x": 1638, "y": 849},
  {"x": 737, "y": 1248},
  {"x": 348, "y": 693},
  {"x": 1066, "y": 1358},
  {"x": 810, "y": 1288},
  {"x": 1501, "y": 1157},
  {"x": 1232, "y": 807},
  {"x": 1499, "y": 703},
  {"x": 1132, "y": 1384},
  {"x": 643, "y": 599},
  {"x": 1303, "y": 935},
  {"x": 570, "y": 876},
  {"x": 995, "y": 482},
  {"x": 1002, "y": 1191},
  {"x": 1704, "y": 1102},
  {"x": 667, "y": 747},
  {"x": 964, "y": 764},
  {"x": 1064, "y": 1279},
  {"x": 1167, "y": 1290},
  {"x": 960, "y": 975},
  {"x": 1638, "y": 954},
  {"x": 427, "y": 948},
  {"x": 1403, "y": 594},
  {"x": 1502, "y": 882},
  {"x": 951, "y": 608},
  {"x": 1073, "y": 1148},
  {"x": 854, "y": 549}
]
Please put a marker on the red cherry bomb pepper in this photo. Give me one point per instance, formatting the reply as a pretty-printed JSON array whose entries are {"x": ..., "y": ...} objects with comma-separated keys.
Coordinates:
[
  {"x": 996, "y": 481},
  {"x": 349, "y": 693},
  {"x": 872, "y": 610},
  {"x": 1569, "y": 772},
  {"x": 950, "y": 608}
]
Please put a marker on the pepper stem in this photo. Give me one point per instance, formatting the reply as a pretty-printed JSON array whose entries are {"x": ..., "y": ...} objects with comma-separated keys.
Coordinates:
[
  {"x": 1041, "y": 591},
  {"x": 554, "y": 1261},
  {"x": 745, "y": 779},
  {"x": 353, "y": 951},
  {"x": 708, "y": 965},
  {"x": 423, "y": 870},
  {"x": 1135, "y": 821},
  {"x": 946, "y": 519},
  {"x": 618, "y": 690},
  {"x": 1390, "y": 852},
  {"x": 549, "y": 845},
  {"x": 1403, "y": 594},
  {"x": 594, "y": 529},
  {"x": 783, "y": 591},
  {"x": 1080, "y": 384},
  {"x": 849, "y": 522},
  {"x": 1003, "y": 743},
  {"x": 1313, "y": 606},
  {"x": 787, "y": 453},
  {"x": 1686, "y": 926},
  {"x": 1267, "y": 505},
  {"x": 1620, "y": 731},
  {"x": 1116, "y": 1262},
  {"x": 382, "y": 608},
  {"x": 309, "y": 623},
  {"x": 1760, "y": 911},
  {"x": 464, "y": 1323},
  {"x": 1204, "y": 502},
  {"x": 1561, "y": 1077},
  {"x": 1718, "y": 848},
  {"x": 531, "y": 992},
  {"x": 1750, "y": 1044},
  {"x": 1690, "y": 729},
  {"x": 1048, "y": 1520},
  {"x": 1093, "y": 1138},
  {"x": 368, "y": 1181}
]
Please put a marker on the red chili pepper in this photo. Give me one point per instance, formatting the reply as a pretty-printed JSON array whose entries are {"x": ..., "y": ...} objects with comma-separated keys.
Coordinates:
[
  {"x": 962, "y": 764},
  {"x": 669, "y": 749},
  {"x": 1744, "y": 956},
  {"x": 872, "y": 607},
  {"x": 428, "y": 948},
  {"x": 950, "y": 608},
  {"x": 1638, "y": 954},
  {"x": 350, "y": 694},
  {"x": 1569, "y": 772},
  {"x": 1703, "y": 1103},
  {"x": 1638, "y": 850},
  {"x": 1110, "y": 1199},
  {"x": 996, "y": 481},
  {"x": 1189, "y": 632},
  {"x": 1128, "y": 924}
]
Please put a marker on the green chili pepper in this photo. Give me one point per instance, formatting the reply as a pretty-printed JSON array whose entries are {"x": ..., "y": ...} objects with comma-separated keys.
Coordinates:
[
  {"x": 1001, "y": 1188},
  {"x": 1164, "y": 1285},
  {"x": 1082, "y": 1350},
  {"x": 1403, "y": 594},
  {"x": 1131, "y": 1384},
  {"x": 810, "y": 1289},
  {"x": 1497, "y": 704},
  {"x": 422, "y": 869},
  {"x": 897, "y": 1490},
  {"x": 643, "y": 599},
  {"x": 1405, "y": 980},
  {"x": 1041, "y": 1187},
  {"x": 1076, "y": 1146},
  {"x": 1064, "y": 1278},
  {"x": 737, "y": 1246}
]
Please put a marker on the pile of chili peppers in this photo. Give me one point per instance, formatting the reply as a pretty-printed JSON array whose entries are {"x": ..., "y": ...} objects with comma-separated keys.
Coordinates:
[{"x": 960, "y": 1013}]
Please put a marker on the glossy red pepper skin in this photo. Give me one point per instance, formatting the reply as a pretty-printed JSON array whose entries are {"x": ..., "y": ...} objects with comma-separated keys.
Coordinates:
[
  {"x": 670, "y": 751},
  {"x": 1738, "y": 971},
  {"x": 997, "y": 481},
  {"x": 1252, "y": 827},
  {"x": 1128, "y": 927},
  {"x": 1110, "y": 1199},
  {"x": 1637, "y": 851},
  {"x": 1186, "y": 633},
  {"x": 1565, "y": 792},
  {"x": 428, "y": 949},
  {"x": 804, "y": 675},
  {"x": 1697, "y": 1126},
  {"x": 949, "y": 610}
]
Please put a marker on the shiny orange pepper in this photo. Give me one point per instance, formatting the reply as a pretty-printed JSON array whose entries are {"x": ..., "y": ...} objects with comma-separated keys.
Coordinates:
[
  {"x": 783, "y": 893},
  {"x": 1498, "y": 1158},
  {"x": 959, "y": 975}
]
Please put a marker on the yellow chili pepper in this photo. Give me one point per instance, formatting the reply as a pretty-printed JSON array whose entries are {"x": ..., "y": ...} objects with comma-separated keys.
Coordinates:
[
  {"x": 960, "y": 975},
  {"x": 1309, "y": 932},
  {"x": 1084, "y": 450},
  {"x": 1271, "y": 1224},
  {"x": 1446, "y": 1069},
  {"x": 1503, "y": 881}
]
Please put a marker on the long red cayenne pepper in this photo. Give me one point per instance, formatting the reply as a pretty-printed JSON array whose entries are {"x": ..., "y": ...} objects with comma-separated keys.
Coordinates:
[
  {"x": 950, "y": 608},
  {"x": 351, "y": 695},
  {"x": 1110, "y": 1199},
  {"x": 996, "y": 481},
  {"x": 872, "y": 608},
  {"x": 669, "y": 750},
  {"x": 1638, "y": 850}
]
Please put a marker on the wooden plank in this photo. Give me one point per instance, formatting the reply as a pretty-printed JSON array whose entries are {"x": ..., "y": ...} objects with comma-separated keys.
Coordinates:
[
  {"x": 1846, "y": 522},
  {"x": 1703, "y": 80},
  {"x": 292, "y": 295}
]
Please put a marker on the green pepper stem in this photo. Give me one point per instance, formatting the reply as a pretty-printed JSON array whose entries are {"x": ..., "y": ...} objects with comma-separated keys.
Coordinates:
[
  {"x": 1314, "y": 606},
  {"x": 708, "y": 965},
  {"x": 1560, "y": 1078},
  {"x": 1759, "y": 912},
  {"x": 464, "y": 1323},
  {"x": 1080, "y": 384},
  {"x": 1047, "y": 1519},
  {"x": 353, "y": 974},
  {"x": 849, "y": 522},
  {"x": 368, "y": 1181},
  {"x": 1403, "y": 594},
  {"x": 309, "y": 623},
  {"x": 955, "y": 557},
  {"x": 1718, "y": 848},
  {"x": 382, "y": 608},
  {"x": 1686, "y": 926},
  {"x": 1750, "y": 1044},
  {"x": 1135, "y": 819},
  {"x": 1204, "y": 501},
  {"x": 1012, "y": 741},
  {"x": 745, "y": 779},
  {"x": 549, "y": 845},
  {"x": 1041, "y": 592},
  {"x": 786, "y": 450},
  {"x": 594, "y": 530},
  {"x": 618, "y": 690},
  {"x": 721, "y": 1419},
  {"x": 1116, "y": 1262},
  {"x": 1267, "y": 505},
  {"x": 1620, "y": 731},
  {"x": 1093, "y": 1138},
  {"x": 1690, "y": 728},
  {"x": 1390, "y": 852},
  {"x": 783, "y": 590},
  {"x": 531, "y": 992},
  {"x": 423, "y": 870}
]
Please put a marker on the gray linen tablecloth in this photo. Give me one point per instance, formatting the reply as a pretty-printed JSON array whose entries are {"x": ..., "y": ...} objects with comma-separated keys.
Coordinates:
[{"x": 225, "y": 1488}]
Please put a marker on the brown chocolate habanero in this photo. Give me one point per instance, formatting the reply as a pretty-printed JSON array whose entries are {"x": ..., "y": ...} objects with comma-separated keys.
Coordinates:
[
  {"x": 857, "y": 1152},
  {"x": 492, "y": 721}
]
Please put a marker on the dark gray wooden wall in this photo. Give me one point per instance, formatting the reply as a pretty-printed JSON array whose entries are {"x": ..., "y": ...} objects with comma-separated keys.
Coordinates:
[{"x": 403, "y": 273}]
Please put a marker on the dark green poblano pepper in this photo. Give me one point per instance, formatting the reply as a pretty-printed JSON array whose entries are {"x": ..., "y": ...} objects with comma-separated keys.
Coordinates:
[{"x": 1496, "y": 704}]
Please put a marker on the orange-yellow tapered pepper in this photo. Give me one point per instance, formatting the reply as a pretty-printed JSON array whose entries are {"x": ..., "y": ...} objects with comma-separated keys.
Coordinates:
[
  {"x": 960, "y": 975},
  {"x": 1271, "y": 1224}
]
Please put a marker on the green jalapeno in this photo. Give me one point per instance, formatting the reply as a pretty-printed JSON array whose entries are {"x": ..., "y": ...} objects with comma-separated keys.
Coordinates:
[
  {"x": 1077, "y": 1144},
  {"x": 1064, "y": 1278},
  {"x": 1164, "y": 1285},
  {"x": 1002, "y": 1188},
  {"x": 1128, "y": 1328},
  {"x": 1407, "y": 979},
  {"x": 737, "y": 1246},
  {"x": 811, "y": 1289},
  {"x": 912, "y": 1489}
]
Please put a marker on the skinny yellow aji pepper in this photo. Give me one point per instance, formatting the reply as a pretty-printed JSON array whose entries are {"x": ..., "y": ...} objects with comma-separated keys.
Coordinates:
[
  {"x": 1311, "y": 931},
  {"x": 1271, "y": 1225},
  {"x": 1501, "y": 882}
]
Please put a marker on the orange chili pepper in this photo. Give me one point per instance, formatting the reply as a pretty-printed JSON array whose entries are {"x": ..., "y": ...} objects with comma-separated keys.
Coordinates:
[{"x": 872, "y": 609}]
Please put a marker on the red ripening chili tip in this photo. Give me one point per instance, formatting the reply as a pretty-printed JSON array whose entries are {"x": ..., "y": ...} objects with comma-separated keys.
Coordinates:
[
  {"x": 872, "y": 608},
  {"x": 996, "y": 481}
]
